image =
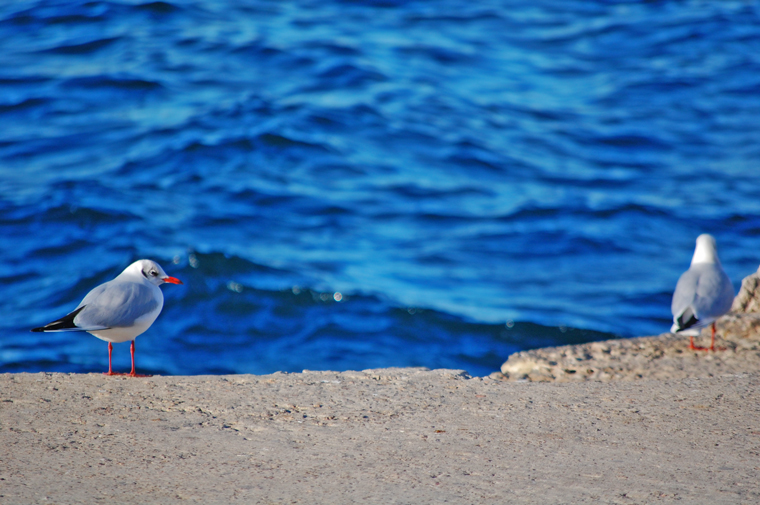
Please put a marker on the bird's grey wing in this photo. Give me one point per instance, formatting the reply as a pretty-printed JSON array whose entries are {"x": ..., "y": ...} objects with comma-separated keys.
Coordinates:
[
  {"x": 116, "y": 304},
  {"x": 685, "y": 293},
  {"x": 714, "y": 293}
]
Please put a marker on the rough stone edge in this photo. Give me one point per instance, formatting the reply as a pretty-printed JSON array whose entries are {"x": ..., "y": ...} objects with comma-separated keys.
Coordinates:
[{"x": 654, "y": 357}]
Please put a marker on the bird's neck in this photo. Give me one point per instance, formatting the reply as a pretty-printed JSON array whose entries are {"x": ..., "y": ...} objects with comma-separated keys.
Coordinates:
[{"x": 705, "y": 255}]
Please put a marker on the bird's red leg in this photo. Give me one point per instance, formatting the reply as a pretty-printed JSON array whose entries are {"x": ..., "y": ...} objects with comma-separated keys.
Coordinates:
[
  {"x": 696, "y": 347},
  {"x": 132, "y": 352},
  {"x": 110, "y": 350},
  {"x": 712, "y": 339},
  {"x": 712, "y": 342}
]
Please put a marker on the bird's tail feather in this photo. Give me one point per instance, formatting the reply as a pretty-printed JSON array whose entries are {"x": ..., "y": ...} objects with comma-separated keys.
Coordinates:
[{"x": 686, "y": 319}]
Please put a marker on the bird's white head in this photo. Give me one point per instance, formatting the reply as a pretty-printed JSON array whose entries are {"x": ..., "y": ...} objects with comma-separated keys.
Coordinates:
[
  {"x": 152, "y": 271},
  {"x": 706, "y": 250}
]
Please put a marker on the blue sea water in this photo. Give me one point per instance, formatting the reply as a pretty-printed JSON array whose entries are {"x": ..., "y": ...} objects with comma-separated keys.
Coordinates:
[{"x": 356, "y": 184}]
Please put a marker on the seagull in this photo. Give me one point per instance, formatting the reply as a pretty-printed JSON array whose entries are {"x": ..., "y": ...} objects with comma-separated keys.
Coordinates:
[
  {"x": 703, "y": 293},
  {"x": 119, "y": 310}
]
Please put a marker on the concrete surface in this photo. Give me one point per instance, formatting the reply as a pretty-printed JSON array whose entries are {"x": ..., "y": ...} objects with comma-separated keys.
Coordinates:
[{"x": 391, "y": 436}]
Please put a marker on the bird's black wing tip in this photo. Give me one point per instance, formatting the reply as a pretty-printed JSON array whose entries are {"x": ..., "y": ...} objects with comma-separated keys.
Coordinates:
[
  {"x": 687, "y": 319},
  {"x": 64, "y": 323}
]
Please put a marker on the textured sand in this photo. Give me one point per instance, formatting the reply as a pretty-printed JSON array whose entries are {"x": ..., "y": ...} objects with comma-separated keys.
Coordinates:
[{"x": 382, "y": 436}]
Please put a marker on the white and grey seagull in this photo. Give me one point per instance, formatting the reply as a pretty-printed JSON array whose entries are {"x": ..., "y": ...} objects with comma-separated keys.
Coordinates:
[
  {"x": 703, "y": 293},
  {"x": 121, "y": 309}
]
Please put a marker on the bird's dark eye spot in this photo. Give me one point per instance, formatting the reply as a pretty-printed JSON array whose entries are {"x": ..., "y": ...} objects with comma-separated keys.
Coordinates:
[{"x": 153, "y": 273}]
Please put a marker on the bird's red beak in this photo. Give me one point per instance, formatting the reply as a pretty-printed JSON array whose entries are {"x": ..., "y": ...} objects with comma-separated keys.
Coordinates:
[{"x": 172, "y": 280}]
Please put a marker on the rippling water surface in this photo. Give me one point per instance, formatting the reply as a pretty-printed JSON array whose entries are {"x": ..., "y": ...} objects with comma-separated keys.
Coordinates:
[{"x": 346, "y": 185}]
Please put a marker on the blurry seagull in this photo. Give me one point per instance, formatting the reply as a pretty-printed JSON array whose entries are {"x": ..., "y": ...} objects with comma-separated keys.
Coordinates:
[
  {"x": 121, "y": 309},
  {"x": 703, "y": 293}
]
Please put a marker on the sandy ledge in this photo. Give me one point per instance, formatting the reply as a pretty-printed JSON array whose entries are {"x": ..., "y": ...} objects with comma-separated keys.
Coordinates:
[
  {"x": 391, "y": 436},
  {"x": 686, "y": 430}
]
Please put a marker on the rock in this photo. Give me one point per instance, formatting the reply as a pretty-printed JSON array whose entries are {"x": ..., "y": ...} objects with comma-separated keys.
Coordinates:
[
  {"x": 518, "y": 365},
  {"x": 748, "y": 299}
]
